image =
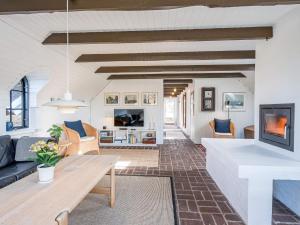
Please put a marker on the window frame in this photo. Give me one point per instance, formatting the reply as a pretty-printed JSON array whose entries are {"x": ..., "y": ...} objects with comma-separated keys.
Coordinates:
[{"x": 25, "y": 104}]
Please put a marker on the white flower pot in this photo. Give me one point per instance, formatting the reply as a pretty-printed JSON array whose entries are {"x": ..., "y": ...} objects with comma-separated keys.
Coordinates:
[{"x": 46, "y": 174}]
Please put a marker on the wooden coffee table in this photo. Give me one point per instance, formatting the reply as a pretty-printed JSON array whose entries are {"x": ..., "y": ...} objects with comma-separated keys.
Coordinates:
[{"x": 26, "y": 202}]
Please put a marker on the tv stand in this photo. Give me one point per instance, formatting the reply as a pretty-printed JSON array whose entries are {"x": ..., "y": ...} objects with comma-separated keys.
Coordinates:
[{"x": 128, "y": 137}]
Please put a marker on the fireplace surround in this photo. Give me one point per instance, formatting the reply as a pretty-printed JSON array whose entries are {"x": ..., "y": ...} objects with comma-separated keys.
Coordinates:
[{"x": 276, "y": 126}]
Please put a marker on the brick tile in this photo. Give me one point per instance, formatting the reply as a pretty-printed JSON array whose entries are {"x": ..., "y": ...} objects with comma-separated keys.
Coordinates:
[
  {"x": 219, "y": 219},
  {"x": 182, "y": 205},
  {"x": 233, "y": 217},
  {"x": 206, "y": 209},
  {"x": 206, "y": 203},
  {"x": 191, "y": 222},
  {"x": 284, "y": 218},
  {"x": 192, "y": 206},
  {"x": 208, "y": 219},
  {"x": 189, "y": 215},
  {"x": 224, "y": 207}
]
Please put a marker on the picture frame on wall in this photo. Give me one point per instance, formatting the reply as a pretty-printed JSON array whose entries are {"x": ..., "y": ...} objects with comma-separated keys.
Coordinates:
[
  {"x": 149, "y": 98},
  {"x": 131, "y": 98},
  {"x": 234, "y": 101},
  {"x": 112, "y": 98},
  {"x": 208, "y": 99}
]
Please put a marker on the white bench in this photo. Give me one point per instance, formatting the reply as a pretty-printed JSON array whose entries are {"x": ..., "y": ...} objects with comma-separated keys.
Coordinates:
[{"x": 245, "y": 173}]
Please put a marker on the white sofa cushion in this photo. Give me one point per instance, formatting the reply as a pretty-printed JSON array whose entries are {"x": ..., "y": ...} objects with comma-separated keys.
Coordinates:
[{"x": 87, "y": 138}]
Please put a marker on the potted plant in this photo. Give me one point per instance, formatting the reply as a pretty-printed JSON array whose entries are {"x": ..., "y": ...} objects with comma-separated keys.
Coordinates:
[
  {"x": 55, "y": 132},
  {"x": 47, "y": 157}
]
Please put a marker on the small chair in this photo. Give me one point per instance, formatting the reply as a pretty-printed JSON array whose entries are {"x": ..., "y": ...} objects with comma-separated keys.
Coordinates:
[
  {"x": 222, "y": 135},
  {"x": 82, "y": 145}
]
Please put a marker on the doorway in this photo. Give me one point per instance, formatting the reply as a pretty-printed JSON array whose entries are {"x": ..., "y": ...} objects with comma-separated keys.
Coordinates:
[{"x": 170, "y": 110}]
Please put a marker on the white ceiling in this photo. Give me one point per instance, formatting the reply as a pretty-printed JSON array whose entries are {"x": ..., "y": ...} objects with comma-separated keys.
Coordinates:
[{"x": 21, "y": 37}]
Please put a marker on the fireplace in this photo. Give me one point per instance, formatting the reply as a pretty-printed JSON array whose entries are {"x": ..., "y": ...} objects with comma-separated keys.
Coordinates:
[{"x": 277, "y": 125}]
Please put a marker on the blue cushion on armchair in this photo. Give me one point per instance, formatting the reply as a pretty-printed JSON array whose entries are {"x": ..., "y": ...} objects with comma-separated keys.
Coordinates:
[
  {"x": 77, "y": 126},
  {"x": 222, "y": 126}
]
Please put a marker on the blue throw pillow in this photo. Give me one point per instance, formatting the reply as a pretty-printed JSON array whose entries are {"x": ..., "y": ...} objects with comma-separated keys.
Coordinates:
[
  {"x": 222, "y": 126},
  {"x": 77, "y": 126}
]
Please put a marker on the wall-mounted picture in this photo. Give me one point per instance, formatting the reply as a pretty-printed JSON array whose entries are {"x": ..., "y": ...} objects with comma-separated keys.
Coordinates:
[
  {"x": 131, "y": 98},
  {"x": 149, "y": 98},
  {"x": 208, "y": 99},
  {"x": 112, "y": 98},
  {"x": 234, "y": 101}
]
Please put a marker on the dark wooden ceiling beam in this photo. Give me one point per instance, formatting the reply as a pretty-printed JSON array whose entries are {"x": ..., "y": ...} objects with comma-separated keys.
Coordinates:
[
  {"x": 181, "y": 68},
  {"x": 178, "y": 81},
  {"x": 36, "y": 6},
  {"x": 175, "y": 85},
  {"x": 116, "y": 37},
  {"x": 172, "y": 90},
  {"x": 175, "y": 76},
  {"x": 161, "y": 56}
]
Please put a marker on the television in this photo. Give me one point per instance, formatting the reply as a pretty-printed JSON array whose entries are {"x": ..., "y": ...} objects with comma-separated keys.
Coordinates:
[{"x": 129, "y": 117}]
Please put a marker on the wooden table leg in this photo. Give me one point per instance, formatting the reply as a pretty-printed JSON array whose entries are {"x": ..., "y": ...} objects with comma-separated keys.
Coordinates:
[
  {"x": 110, "y": 191},
  {"x": 112, "y": 187},
  {"x": 62, "y": 218}
]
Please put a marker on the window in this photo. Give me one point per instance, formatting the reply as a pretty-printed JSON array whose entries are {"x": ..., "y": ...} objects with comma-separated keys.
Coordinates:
[{"x": 17, "y": 114}]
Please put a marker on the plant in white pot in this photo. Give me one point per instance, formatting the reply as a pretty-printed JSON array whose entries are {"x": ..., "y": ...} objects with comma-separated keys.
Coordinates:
[{"x": 47, "y": 157}]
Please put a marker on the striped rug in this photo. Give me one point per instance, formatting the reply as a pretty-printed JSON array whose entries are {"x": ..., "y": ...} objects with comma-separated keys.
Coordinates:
[{"x": 139, "y": 201}]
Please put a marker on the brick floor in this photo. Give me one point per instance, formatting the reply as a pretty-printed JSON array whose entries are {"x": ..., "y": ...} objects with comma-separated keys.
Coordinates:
[{"x": 198, "y": 199}]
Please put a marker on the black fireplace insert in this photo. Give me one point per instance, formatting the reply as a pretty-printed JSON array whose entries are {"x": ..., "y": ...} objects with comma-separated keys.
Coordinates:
[{"x": 277, "y": 125}]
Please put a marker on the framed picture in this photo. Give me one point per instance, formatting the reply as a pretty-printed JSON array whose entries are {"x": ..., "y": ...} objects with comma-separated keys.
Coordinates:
[
  {"x": 131, "y": 98},
  {"x": 208, "y": 99},
  {"x": 149, "y": 98},
  {"x": 112, "y": 98},
  {"x": 234, "y": 101}
]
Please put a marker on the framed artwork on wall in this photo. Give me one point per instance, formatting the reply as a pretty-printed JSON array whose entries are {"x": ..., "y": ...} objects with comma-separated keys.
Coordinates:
[
  {"x": 208, "y": 99},
  {"x": 131, "y": 98},
  {"x": 149, "y": 98},
  {"x": 112, "y": 98},
  {"x": 234, "y": 101}
]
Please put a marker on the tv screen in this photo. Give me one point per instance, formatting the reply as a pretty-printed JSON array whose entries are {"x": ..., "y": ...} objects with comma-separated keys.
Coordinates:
[{"x": 129, "y": 117}]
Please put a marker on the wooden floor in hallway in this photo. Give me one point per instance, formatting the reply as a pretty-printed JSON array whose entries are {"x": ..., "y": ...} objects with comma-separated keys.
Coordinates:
[{"x": 198, "y": 199}]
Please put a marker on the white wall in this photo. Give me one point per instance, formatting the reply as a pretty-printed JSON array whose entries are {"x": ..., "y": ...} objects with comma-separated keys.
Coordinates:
[
  {"x": 278, "y": 81},
  {"x": 188, "y": 128},
  {"x": 200, "y": 128},
  {"x": 103, "y": 115},
  {"x": 22, "y": 54}
]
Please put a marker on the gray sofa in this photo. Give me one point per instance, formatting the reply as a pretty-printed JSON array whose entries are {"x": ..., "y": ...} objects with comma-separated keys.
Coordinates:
[{"x": 11, "y": 169}]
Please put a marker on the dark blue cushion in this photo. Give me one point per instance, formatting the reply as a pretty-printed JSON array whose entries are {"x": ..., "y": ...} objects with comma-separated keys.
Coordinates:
[
  {"x": 77, "y": 126},
  {"x": 222, "y": 126}
]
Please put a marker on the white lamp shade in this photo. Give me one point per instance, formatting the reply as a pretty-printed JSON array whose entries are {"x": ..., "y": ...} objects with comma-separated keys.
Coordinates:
[{"x": 66, "y": 106}]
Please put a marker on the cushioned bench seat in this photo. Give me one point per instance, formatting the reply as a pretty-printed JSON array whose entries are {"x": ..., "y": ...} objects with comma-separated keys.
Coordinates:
[{"x": 15, "y": 172}]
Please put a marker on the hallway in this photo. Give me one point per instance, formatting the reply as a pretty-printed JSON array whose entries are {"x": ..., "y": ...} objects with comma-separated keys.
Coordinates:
[{"x": 198, "y": 199}]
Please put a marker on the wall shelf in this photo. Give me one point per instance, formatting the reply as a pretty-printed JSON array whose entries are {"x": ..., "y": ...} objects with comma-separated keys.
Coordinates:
[{"x": 129, "y": 137}]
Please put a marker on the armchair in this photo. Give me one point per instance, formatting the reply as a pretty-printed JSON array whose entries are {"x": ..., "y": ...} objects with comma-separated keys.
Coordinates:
[
  {"x": 81, "y": 145},
  {"x": 222, "y": 135}
]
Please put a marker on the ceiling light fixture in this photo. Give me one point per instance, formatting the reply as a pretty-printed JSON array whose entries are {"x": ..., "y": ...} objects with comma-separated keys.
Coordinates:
[
  {"x": 67, "y": 105},
  {"x": 175, "y": 89}
]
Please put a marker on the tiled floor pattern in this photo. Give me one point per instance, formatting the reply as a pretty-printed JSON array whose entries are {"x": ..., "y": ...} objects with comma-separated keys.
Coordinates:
[{"x": 198, "y": 199}]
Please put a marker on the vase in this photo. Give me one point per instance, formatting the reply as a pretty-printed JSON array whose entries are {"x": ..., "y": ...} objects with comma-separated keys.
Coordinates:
[{"x": 46, "y": 174}]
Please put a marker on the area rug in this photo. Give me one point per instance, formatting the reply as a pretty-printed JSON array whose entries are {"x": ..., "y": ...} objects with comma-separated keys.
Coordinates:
[
  {"x": 139, "y": 201},
  {"x": 134, "y": 157}
]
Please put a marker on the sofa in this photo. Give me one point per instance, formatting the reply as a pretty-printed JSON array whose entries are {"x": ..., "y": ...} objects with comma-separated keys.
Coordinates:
[{"x": 11, "y": 169}]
